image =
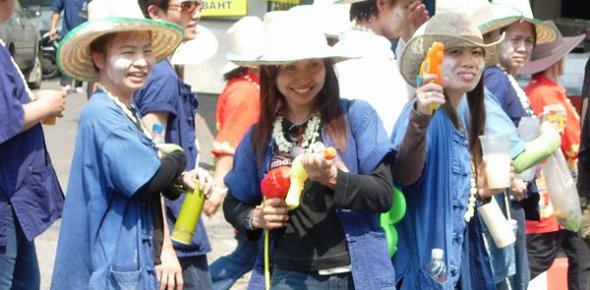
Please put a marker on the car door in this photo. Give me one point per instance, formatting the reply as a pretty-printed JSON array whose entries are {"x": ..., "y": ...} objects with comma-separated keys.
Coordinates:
[{"x": 26, "y": 40}]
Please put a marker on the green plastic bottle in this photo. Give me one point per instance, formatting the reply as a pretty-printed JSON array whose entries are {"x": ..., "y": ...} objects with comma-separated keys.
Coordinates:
[{"x": 188, "y": 218}]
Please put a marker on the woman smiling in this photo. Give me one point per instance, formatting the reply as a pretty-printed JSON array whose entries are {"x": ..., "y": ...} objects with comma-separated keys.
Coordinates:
[{"x": 113, "y": 214}]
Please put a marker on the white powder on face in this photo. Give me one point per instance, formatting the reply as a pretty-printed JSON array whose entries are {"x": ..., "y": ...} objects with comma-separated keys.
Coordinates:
[{"x": 118, "y": 68}]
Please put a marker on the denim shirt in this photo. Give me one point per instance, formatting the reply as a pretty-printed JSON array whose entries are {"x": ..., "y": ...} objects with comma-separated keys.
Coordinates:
[
  {"x": 367, "y": 144},
  {"x": 105, "y": 241},
  {"x": 497, "y": 122},
  {"x": 164, "y": 91},
  {"x": 436, "y": 204},
  {"x": 28, "y": 181}
]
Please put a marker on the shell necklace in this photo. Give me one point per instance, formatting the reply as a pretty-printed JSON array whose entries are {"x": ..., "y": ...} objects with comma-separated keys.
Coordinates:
[
  {"x": 27, "y": 89},
  {"x": 309, "y": 137}
]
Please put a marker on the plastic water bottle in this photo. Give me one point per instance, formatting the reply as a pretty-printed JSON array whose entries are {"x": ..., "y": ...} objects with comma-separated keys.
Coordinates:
[
  {"x": 436, "y": 267},
  {"x": 157, "y": 136}
]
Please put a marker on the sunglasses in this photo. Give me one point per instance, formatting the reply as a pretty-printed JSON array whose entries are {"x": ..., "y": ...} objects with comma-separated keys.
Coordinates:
[{"x": 186, "y": 7}]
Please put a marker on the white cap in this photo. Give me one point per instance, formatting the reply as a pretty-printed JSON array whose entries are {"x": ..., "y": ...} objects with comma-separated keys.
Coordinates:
[{"x": 437, "y": 253}]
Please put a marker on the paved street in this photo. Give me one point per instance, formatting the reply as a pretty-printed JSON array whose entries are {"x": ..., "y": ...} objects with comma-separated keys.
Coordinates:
[{"x": 60, "y": 142}]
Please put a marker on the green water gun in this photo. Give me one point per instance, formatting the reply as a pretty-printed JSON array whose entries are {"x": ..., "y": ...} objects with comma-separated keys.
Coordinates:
[{"x": 393, "y": 216}]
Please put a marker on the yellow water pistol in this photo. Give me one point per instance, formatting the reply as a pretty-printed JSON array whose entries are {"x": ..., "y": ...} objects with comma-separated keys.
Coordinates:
[{"x": 299, "y": 176}]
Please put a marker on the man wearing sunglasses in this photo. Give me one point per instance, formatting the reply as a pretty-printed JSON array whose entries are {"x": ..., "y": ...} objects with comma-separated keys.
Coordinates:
[{"x": 165, "y": 99}]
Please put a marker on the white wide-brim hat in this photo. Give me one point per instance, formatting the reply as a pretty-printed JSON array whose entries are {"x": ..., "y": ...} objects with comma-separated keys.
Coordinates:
[
  {"x": 196, "y": 50},
  {"x": 246, "y": 38},
  {"x": 487, "y": 16},
  {"x": 544, "y": 32},
  {"x": 288, "y": 39},
  {"x": 330, "y": 19},
  {"x": 112, "y": 16},
  {"x": 453, "y": 30}
]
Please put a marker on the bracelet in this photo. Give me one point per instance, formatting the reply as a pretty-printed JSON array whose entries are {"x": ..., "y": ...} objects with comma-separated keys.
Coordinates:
[{"x": 248, "y": 222}]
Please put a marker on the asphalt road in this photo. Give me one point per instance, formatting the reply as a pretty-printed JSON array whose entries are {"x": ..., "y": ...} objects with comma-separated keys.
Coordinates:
[{"x": 60, "y": 140}]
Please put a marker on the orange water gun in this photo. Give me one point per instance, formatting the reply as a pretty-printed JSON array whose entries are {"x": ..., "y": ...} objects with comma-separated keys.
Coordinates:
[
  {"x": 432, "y": 65},
  {"x": 298, "y": 177}
]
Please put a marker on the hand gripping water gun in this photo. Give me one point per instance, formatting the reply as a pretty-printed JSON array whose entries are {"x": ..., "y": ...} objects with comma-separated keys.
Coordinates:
[
  {"x": 298, "y": 177},
  {"x": 275, "y": 184},
  {"x": 432, "y": 65},
  {"x": 393, "y": 216}
]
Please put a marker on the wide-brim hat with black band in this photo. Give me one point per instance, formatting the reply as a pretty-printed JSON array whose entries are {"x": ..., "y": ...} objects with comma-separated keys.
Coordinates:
[
  {"x": 547, "y": 54},
  {"x": 287, "y": 39},
  {"x": 106, "y": 17},
  {"x": 453, "y": 30}
]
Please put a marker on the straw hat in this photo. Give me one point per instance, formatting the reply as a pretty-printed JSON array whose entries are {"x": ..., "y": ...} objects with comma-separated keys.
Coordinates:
[
  {"x": 453, "y": 30},
  {"x": 111, "y": 16},
  {"x": 487, "y": 16},
  {"x": 547, "y": 54},
  {"x": 545, "y": 33},
  {"x": 245, "y": 39},
  {"x": 196, "y": 50},
  {"x": 330, "y": 19},
  {"x": 287, "y": 39}
]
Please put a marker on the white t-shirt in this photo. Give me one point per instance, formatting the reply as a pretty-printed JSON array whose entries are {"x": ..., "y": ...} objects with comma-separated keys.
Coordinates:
[{"x": 375, "y": 77}]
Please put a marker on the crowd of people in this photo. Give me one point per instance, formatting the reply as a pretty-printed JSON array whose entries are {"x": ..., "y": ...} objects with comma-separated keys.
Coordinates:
[{"x": 297, "y": 86}]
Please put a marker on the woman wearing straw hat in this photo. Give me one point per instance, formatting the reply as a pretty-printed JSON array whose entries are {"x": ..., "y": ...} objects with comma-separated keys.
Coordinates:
[
  {"x": 545, "y": 237},
  {"x": 334, "y": 235},
  {"x": 113, "y": 214},
  {"x": 441, "y": 204},
  {"x": 515, "y": 50},
  {"x": 31, "y": 198},
  {"x": 238, "y": 108}
]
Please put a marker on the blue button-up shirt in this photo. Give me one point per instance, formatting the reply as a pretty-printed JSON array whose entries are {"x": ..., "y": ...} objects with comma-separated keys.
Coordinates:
[
  {"x": 436, "y": 204},
  {"x": 72, "y": 10},
  {"x": 164, "y": 91},
  {"x": 367, "y": 144},
  {"x": 27, "y": 179},
  {"x": 105, "y": 240}
]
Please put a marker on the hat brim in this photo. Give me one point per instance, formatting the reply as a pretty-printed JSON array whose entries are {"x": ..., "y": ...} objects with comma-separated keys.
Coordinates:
[
  {"x": 73, "y": 54},
  {"x": 281, "y": 59},
  {"x": 541, "y": 64},
  {"x": 497, "y": 23},
  {"x": 196, "y": 50},
  {"x": 545, "y": 33},
  {"x": 418, "y": 46}
]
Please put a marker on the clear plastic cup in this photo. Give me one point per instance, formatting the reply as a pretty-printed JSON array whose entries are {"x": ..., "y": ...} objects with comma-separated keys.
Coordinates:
[{"x": 496, "y": 153}]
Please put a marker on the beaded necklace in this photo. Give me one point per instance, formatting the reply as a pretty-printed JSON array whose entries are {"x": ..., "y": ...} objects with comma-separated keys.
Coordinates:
[
  {"x": 522, "y": 97},
  {"x": 132, "y": 115},
  {"x": 472, "y": 196},
  {"x": 250, "y": 80},
  {"x": 27, "y": 89}
]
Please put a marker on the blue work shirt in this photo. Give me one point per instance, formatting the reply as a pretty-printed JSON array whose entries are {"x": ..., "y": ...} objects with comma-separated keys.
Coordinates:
[
  {"x": 105, "y": 240},
  {"x": 367, "y": 144},
  {"x": 436, "y": 204},
  {"x": 164, "y": 91},
  {"x": 27, "y": 179},
  {"x": 498, "y": 84},
  {"x": 497, "y": 122},
  {"x": 71, "y": 13}
]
